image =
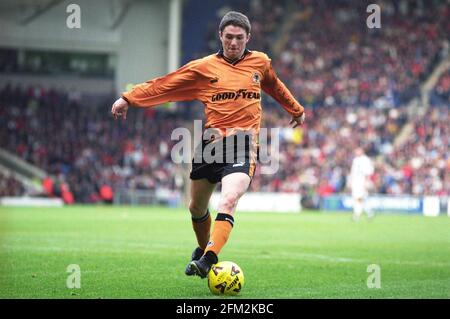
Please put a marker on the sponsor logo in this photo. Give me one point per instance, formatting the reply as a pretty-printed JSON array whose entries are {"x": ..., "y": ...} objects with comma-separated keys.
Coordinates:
[
  {"x": 242, "y": 93},
  {"x": 238, "y": 164}
]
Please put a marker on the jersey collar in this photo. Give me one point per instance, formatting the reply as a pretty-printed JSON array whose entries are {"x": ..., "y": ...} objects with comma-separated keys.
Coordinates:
[{"x": 220, "y": 54}]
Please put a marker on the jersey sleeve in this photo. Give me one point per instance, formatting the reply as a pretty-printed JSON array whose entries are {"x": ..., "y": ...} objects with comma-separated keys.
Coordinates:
[
  {"x": 273, "y": 86},
  {"x": 180, "y": 85}
]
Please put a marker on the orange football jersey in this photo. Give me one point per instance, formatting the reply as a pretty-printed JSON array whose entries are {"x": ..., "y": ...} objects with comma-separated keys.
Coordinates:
[{"x": 231, "y": 92}]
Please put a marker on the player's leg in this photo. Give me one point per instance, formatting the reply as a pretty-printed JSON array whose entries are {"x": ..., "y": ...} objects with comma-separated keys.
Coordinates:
[
  {"x": 358, "y": 194},
  {"x": 368, "y": 208},
  {"x": 357, "y": 208},
  {"x": 233, "y": 187},
  {"x": 201, "y": 191}
]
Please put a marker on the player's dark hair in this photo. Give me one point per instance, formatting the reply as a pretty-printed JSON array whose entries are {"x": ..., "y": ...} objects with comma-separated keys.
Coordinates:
[{"x": 236, "y": 19}]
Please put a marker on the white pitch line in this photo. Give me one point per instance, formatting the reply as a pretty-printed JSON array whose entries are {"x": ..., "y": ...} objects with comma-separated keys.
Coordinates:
[
  {"x": 299, "y": 255},
  {"x": 125, "y": 247}
]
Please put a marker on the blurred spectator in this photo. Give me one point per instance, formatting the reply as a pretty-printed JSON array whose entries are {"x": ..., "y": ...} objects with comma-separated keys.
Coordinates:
[
  {"x": 9, "y": 186},
  {"x": 441, "y": 93}
]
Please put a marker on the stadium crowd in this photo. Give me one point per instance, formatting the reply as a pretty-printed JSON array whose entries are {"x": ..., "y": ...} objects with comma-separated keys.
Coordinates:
[
  {"x": 84, "y": 148},
  {"x": 333, "y": 58},
  {"x": 354, "y": 82},
  {"x": 422, "y": 164},
  {"x": 318, "y": 156},
  {"x": 9, "y": 186},
  {"x": 440, "y": 95}
]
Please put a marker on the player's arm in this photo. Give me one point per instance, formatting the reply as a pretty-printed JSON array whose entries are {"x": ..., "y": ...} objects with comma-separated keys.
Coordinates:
[
  {"x": 273, "y": 86},
  {"x": 180, "y": 85}
]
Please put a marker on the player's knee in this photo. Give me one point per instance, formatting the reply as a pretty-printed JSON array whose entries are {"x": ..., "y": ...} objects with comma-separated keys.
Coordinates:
[{"x": 196, "y": 209}]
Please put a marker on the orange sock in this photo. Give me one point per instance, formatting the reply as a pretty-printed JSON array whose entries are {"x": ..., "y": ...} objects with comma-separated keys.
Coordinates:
[
  {"x": 221, "y": 231},
  {"x": 202, "y": 228}
]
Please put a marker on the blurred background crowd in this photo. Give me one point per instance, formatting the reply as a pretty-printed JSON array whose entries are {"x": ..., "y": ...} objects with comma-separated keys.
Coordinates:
[{"x": 356, "y": 84}]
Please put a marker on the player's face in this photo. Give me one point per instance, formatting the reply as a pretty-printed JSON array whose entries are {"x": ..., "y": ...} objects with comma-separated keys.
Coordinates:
[
  {"x": 359, "y": 151},
  {"x": 234, "y": 39}
]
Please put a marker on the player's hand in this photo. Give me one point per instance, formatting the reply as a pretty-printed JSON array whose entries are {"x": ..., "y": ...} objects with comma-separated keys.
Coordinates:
[
  {"x": 299, "y": 120},
  {"x": 120, "y": 109}
]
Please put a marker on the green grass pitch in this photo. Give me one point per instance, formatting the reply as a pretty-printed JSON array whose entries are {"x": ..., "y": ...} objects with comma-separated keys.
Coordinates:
[{"x": 141, "y": 252}]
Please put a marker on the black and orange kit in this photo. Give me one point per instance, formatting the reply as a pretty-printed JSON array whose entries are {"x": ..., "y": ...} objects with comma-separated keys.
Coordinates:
[{"x": 231, "y": 93}]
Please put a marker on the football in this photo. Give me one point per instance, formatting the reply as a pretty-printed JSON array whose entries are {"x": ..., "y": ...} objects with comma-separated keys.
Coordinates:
[{"x": 225, "y": 278}]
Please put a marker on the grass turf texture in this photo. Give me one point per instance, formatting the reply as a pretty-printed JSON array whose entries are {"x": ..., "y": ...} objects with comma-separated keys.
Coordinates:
[{"x": 128, "y": 252}]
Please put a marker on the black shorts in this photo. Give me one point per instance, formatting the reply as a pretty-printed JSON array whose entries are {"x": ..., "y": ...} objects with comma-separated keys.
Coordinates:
[{"x": 234, "y": 159}]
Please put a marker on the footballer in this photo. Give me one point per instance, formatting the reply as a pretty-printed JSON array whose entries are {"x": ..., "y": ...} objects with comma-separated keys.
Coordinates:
[{"x": 229, "y": 84}]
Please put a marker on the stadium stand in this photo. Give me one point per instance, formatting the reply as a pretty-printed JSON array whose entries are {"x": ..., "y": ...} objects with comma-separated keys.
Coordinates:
[
  {"x": 355, "y": 82},
  {"x": 10, "y": 186},
  {"x": 441, "y": 93}
]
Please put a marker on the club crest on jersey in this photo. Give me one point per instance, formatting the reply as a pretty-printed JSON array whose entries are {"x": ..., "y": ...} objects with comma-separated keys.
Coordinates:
[{"x": 255, "y": 77}]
